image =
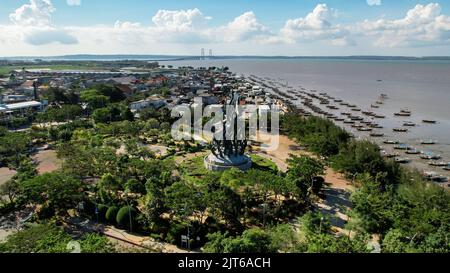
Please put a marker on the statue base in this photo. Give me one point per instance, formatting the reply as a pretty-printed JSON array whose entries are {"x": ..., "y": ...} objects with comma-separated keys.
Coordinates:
[{"x": 220, "y": 164}]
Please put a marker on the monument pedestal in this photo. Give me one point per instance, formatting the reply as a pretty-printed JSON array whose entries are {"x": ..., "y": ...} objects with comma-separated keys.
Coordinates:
[{"x": 214, "y": 163}]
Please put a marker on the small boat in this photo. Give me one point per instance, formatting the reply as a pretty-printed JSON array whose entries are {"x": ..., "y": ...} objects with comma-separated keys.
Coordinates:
[
  {"x": 374, "y": 106},
  {"x": 384, "y": 96},
  {"x": 429, "y": 121},
  {"x": 447, "y": 168},
  {"x": 376, "y": 125},
  {"x": 337, "y": 100},
  {"x": 377, "y": 135},
  {"x": 430, "y": 156},
  {"x": 346, "y": 114},
  {"x": 347, "y": 121},
  {"x": 428, "y": 142},
  {"x": 412, "y": 152},
  {"x": 405, "y": 111},
  {"x": 402, "y": 160},
  {"x": 401, "y": 114},
  {"x": 365, "y": 129},
  {"x": 356, "y": 109},
  {"x": 409, "y": 124},
  {"x": 401, "y": 147},
  {"x": 391, "y": 142},
  {"x": 435, "y": 177},
  {"x": 400, "y": 130},
  {"x": 358, "y": 118},
  {"x": 351, "y": 105},
  {"x": 379, "y": 116},
  {"x": 390, "y": 155},
  {"x": 358, "y": 126},
  {"x": 379, "y": 102},
  {"x": 438, "y": 164}
]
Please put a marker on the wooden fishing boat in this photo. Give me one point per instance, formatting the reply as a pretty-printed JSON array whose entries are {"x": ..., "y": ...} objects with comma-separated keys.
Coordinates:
[
  {"x": 377, "y": 135},
  {"x": 429, "y": 121},
  {"x": 400, "y": 130},
  {"x": 428, "y": 142},
  {"x": 391, "y": 142},
  {"x": 438, "y": 164},
  {"x": 409, "y": 124},
  {"x": 402, "y": 160}
]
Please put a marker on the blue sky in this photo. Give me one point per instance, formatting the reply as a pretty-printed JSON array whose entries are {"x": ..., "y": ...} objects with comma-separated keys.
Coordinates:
[{"x": 235, "y": 27}]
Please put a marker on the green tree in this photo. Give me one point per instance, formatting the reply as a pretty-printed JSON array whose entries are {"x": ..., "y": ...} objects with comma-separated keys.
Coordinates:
[
  {"x": 57, "y": 190},
  {"x": 302, "y": 171}
]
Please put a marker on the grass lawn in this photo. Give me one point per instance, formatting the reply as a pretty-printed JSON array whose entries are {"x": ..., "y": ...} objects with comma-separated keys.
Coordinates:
[{"x": 193, "y": 170}]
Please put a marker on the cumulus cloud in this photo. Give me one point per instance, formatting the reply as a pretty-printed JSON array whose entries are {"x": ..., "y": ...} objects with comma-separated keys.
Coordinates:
[
  {"x": 74, "y": 2},
  {"x": 373, "y": 2},
  {"x": 36, "y": 13},
  {"x": 422, "y": 25},
  {"x": 180, "y": 20},
  {"x": 243, "y": 28},
  {"x": 33, "y": 21},
  {"x": 317, "y": 25},
  {"x": 47, "y": 36}
]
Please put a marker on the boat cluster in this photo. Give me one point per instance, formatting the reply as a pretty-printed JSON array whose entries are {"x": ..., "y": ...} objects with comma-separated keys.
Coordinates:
[{"x": 339, "y": 110}]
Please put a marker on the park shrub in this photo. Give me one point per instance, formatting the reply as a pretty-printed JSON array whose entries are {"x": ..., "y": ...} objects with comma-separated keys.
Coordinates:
[
  {"x": 123, "y": 217},
  {"x": 111, "y": 214},
  {"x": 175, "y": 232},
  {"x": 102, "y": 209}
]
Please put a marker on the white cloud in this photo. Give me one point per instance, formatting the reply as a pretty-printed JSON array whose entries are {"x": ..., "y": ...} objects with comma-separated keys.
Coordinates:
[
  {"x": 180, "y": 20},
  {"x": 317, "y": 25},
  {"x": 243, "y": 28},
  {"x": 422, "y": 25},
  {"x": 49, "y": 35},
  {"x": 373, "y": 2},
  {"x": 36, "y": 13},
  {"x": 33, "y": 21},
  {"x": 74, "y": 2}
]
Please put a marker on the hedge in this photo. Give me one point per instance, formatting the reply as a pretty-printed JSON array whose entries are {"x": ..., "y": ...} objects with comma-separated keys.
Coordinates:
[
  {"x": 111, "y": 214},
  {"x": 123, "y": 217}
]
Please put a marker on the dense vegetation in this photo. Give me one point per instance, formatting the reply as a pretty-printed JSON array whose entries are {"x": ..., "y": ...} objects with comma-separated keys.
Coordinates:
[
  {"x": 409, "y": 214},
  {"x": 48, "y": 238}
]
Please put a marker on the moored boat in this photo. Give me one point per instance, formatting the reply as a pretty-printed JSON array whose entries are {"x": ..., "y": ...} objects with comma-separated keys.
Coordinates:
[
  {"x": 391, "y": 142},
  {"x": 412, "y": 151},
  {"x": 400, "y": 130},
  {"x": 438, "y": 164},
  {"x": 430, "y": 156},
  {"x": 401, "y": 114},
  {"x": 428, "y": 142},
  {"x": 429, "y": 121},
  {"x": 402, "y": 160},
  {"x": 409, "y": 124},
  {"x": 401, "y": 147},
  {"x": 377, "y": 135}
]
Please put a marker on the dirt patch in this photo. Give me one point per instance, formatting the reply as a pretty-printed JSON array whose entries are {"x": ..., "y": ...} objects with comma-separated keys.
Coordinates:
[
  {"x": 5, "y": 175},
  {"x": 47, "y": 161}
]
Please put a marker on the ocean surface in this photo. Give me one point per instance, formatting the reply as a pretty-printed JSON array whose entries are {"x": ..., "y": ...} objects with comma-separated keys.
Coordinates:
[{"x": 421, "y": 86}]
